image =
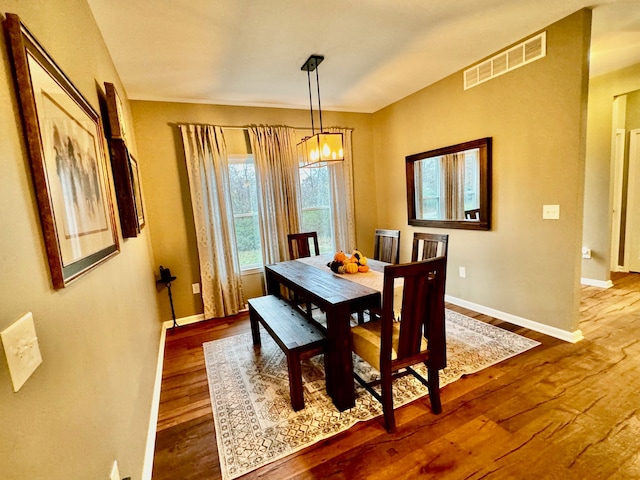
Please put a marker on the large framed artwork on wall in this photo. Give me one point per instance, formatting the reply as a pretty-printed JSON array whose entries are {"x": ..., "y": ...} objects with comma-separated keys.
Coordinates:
[{"x": 65, "y": 142}]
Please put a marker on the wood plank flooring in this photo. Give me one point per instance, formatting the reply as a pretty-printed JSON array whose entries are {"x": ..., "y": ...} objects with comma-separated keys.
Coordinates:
[{"x": 559, "y": 411}]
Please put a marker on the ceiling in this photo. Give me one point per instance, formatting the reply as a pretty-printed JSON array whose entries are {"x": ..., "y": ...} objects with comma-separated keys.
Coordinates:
[{"x": 249, "y": 52}]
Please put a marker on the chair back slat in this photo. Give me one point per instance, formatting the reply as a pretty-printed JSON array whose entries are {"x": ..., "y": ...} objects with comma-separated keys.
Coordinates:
[
  {"x": 300, "y": 246},
  {"x": 386, "y": 246},
  {"x": 422, "y": 310}
]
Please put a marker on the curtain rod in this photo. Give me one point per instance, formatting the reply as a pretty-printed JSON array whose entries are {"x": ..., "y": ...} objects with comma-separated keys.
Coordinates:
[{"x": 235, "y": 127}]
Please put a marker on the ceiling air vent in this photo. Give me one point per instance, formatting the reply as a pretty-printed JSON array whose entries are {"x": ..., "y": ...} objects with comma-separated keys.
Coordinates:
[{"x": 515, "y": 57}]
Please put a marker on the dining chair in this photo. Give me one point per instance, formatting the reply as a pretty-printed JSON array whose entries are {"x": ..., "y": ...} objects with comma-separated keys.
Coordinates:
[
  {"x": 428, "y": 245},
  {"x": 300, "y": 245},
  {"x": 473, "y": 214},
  {"x": 386, "y": 247},
  {"x": 392, "y": 347}
]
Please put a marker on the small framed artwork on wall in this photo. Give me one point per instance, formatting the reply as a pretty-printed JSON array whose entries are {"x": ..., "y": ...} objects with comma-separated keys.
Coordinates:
[
  {"x": 115, "y": 113},
  {"x": 137, "y": 193},
  {"x": 126, "y": 177},
  {"x": 66, "y": 151}
]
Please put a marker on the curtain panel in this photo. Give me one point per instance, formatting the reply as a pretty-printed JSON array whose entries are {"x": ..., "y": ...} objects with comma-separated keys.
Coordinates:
[
  {"x": 343, "y": 204},
  {"x": 452, "y": 186},
  {"x": 274, "y": 151},
  {"x": 208, "y": 171}
]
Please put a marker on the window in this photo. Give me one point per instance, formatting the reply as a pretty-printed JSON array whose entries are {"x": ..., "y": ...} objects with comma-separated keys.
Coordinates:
[
  {"x": 431, "y": 188},
  {"x": 471, "y": 179},
  {"x": 244, "y": 202},
  {"x": 315, "y": 198}
]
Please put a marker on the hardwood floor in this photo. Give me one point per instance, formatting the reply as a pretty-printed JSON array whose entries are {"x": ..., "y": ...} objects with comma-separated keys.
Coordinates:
[{"x": 559, "y": 411}]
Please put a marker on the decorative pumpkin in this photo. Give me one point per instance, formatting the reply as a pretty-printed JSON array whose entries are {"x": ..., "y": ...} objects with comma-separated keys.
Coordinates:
[
  {"x": 340, "y": 256},
  {"x": 363, "y": 260},
  {"x": 334, "y": 266},
  {"x": 351, "y": 267},
  {"x": 363, "y": 268}
]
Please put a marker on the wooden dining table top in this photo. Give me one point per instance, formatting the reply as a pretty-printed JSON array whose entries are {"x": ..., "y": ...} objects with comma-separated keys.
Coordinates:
[{"x": 314, "y": 277}]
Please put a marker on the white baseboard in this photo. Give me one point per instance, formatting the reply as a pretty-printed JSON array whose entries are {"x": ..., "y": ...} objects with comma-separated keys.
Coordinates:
[
  {"x": 147, "y": 469},
  {"x": 572, "y": 337},
  {"x": 596, "y": 283},
  {"x": 184, "y": 320}
]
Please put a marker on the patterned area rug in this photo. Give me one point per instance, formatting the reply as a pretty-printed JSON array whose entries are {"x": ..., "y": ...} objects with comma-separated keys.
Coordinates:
[{"x": 249, "y": 389}]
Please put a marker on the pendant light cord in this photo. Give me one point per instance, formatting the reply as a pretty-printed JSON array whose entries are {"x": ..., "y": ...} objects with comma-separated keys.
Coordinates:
[
  {"x": 313, "y": 132},
  {"x": 319, "y": 106}
]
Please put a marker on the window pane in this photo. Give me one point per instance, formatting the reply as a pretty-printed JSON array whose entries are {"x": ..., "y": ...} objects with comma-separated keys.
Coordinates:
[
  {"x": 244, "y": 202},
  {"x": 431, "y": 188},
  {"x": 315, "y": 197},
  {"x": 471, "y": 179}
]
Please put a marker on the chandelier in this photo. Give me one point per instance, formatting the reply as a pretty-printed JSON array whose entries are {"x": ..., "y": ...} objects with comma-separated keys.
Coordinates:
[{"x": 320, "y": 148}]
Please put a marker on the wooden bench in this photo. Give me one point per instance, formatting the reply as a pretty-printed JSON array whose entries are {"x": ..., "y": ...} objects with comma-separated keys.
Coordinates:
[{"x": 298, "y": 337}]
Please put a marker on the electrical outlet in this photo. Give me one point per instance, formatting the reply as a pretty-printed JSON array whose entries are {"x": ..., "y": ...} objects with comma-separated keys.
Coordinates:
[
  {"x": 195, "y": 288},
  {"x": 463, "y": 272},
  {"x": 551, "y": 212},
  {"x": 21, "y": 347}
]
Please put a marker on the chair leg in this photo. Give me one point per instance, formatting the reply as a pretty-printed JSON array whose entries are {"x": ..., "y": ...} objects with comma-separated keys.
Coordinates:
[
  {"x": 434, "y": 390},
  {"x": 387, "y": 403},
  {"x": 360, "y": 317},
  {"x": 295, "y": 382}
]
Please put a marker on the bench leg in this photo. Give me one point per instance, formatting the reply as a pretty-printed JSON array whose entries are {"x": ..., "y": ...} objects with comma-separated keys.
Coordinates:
[
  {"x": 295, "y": 381},
  {"x": 255, "y": 329}
]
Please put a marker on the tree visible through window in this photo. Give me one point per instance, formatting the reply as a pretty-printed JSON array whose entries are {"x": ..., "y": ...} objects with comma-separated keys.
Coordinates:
[
  {"x": 315, "y": 196},
  {"x": 244, "y": 202}
]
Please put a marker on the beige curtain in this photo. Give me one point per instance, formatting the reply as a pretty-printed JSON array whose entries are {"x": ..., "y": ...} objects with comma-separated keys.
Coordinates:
[
  {"x": 453, "y": 186},
  {"x": 207, "y": 167},
  {"x": 341, "y": 180},
  {"x": 274, "y": 151}
]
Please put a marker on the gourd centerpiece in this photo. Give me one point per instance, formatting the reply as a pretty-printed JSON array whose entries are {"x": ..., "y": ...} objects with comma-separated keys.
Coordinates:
[{"x": 357, "y": 262}]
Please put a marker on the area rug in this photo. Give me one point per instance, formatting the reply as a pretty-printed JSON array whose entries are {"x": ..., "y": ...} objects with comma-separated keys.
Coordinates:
[{"x": 249, "y": 389}]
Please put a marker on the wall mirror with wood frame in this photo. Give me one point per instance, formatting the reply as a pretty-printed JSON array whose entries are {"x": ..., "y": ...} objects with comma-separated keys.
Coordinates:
[{"x": 450, "y": 187}]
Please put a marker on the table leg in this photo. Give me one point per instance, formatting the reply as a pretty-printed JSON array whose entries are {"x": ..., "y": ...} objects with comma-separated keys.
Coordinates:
[
  {"x": 273, "y": 285},
  {"x": 338, "y": 363}
]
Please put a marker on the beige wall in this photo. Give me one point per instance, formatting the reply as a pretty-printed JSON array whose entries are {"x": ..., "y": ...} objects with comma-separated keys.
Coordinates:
[
  {"x": 597, "y": 203},
  {"x": 166, "y": 186},
  {"x": 89, "y": 402},
  {"x": 524, "y": 266},
  {"x": 633, "y": 110}
]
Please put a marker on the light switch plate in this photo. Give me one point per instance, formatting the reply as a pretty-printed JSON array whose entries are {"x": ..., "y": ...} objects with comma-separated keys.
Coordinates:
[
  {"x": 21, "y": 348},
  {"x": 551, "y": 212}
]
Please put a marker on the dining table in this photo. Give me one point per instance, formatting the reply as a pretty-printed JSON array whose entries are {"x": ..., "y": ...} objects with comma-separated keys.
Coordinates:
[{"x": 339, "y": 296}]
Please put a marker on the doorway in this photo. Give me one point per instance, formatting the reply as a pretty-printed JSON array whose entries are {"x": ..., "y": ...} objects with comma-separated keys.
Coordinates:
[{"x": 625, "y": 183}]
